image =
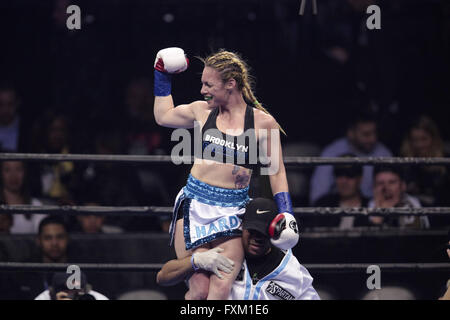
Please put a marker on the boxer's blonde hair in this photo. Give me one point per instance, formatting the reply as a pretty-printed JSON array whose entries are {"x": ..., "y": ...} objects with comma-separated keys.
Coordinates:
[{"x": 230, "y": 65}]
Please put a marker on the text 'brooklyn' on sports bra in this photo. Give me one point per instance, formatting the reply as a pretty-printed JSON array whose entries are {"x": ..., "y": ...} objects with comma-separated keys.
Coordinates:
[{"x": 242, "y": 150}]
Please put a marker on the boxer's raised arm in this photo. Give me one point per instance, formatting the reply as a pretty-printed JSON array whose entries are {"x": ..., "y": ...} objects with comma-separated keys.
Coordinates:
[
  {"x": 167, "y": 115},
  {"x": 174, "y": 271}
]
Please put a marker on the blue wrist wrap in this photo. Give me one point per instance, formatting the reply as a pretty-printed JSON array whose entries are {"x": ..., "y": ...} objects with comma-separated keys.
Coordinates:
[
  {"x": 284, "y": 203},
  {"x": 163, "y": 84},
  {"x": 193, "y": 264}
]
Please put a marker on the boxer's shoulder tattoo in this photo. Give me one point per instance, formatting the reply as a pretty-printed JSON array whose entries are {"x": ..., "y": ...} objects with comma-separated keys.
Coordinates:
[{"x": 241, "y": 177}]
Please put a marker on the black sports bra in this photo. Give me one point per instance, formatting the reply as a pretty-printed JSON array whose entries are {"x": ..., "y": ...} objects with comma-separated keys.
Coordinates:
[{"x": 242, "y": 150}]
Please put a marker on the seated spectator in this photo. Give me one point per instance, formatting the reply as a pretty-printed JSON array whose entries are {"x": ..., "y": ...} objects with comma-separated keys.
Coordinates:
[
  {"x": 57, "y": 180},
  {"x": 60, "y": 291},
  {"x": 347, "y": 195},
  {"x": 390, "y": 192},
  {"x": 6, "y": 221},
  {"x": 53, "y": 240},
  {"x": 430, "y": 184},
  {"x": 14, "y": 191},
  {"x": 362, "y": 141},
  {"x": 13, "y": 130},
  {"x": 144, "y": 137},
  {"x": 116, "y": 185},
  {"x": 53, "y": 247}
]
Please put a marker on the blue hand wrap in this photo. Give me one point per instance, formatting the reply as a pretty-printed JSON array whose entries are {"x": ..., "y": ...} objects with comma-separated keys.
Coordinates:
[
  {"x": 284, "y": 203},
  {"x": 163, "y": 84}
]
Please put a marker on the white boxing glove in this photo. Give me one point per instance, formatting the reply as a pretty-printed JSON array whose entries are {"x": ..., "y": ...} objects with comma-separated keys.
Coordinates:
[
  {"x": 213, "y": 261},
  {"x": 171, "y": 60},
  {"x": 283, "y": 231}
]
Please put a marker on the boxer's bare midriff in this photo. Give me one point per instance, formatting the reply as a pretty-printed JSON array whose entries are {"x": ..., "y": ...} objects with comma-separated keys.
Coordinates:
[{"x": 222, "y": 175}]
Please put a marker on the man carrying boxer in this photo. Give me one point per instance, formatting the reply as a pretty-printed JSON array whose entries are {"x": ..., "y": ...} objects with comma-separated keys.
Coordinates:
[{"x": 267, "y": 273}]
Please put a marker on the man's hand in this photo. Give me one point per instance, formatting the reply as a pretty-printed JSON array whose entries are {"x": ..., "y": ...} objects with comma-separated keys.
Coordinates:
[
  {"x": 213, "y": 261},
  {"x": 381, "y": 200}
]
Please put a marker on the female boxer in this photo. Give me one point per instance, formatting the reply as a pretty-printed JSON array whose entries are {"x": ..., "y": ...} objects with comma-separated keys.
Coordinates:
[{"x": 234, "y": 127}]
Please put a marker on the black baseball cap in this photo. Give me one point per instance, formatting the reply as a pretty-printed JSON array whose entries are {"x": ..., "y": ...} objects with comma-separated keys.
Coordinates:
[{"x": 259, "y": 213}]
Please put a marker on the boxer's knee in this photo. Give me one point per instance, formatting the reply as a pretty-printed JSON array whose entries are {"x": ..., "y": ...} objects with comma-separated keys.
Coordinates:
[{"x": 199, "y": 294}]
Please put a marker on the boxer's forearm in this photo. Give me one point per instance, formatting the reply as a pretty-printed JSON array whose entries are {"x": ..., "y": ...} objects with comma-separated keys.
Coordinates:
[{"x": 278, "y": 181}]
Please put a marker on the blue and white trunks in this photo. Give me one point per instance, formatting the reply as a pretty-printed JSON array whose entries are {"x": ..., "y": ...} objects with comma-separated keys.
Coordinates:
[{"x": 209, "y": 212}]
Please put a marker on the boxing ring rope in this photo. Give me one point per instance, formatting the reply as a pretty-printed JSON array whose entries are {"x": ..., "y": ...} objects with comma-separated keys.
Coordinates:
[
  {"x": 145, "y": 210},
  {"x": 155, "y": 267}
]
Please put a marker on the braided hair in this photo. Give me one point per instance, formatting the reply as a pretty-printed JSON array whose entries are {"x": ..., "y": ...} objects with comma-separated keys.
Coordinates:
[{"x": 230, "y": 65}]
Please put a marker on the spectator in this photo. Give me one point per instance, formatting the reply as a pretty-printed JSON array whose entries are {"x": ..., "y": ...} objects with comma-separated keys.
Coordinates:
[
  {"x": 57, "y": 180},
  {"x": 53, "y": 247},
  {"x": 390, "y": 192},
  {"x": 144, "y": 137},
  {"x": 361, "y": 140},
  {"x": 347, "y": 195},
  {"x": 13, "y": 130},
  {"x": 15, "y": 191},
  {"x": 430, "y": 184},
  {"x": 111, "y": 184},
  {"x": 60, "y": 291},
  {"x": 53, "y": 240},
  {"x": 116, "y": 185}
]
